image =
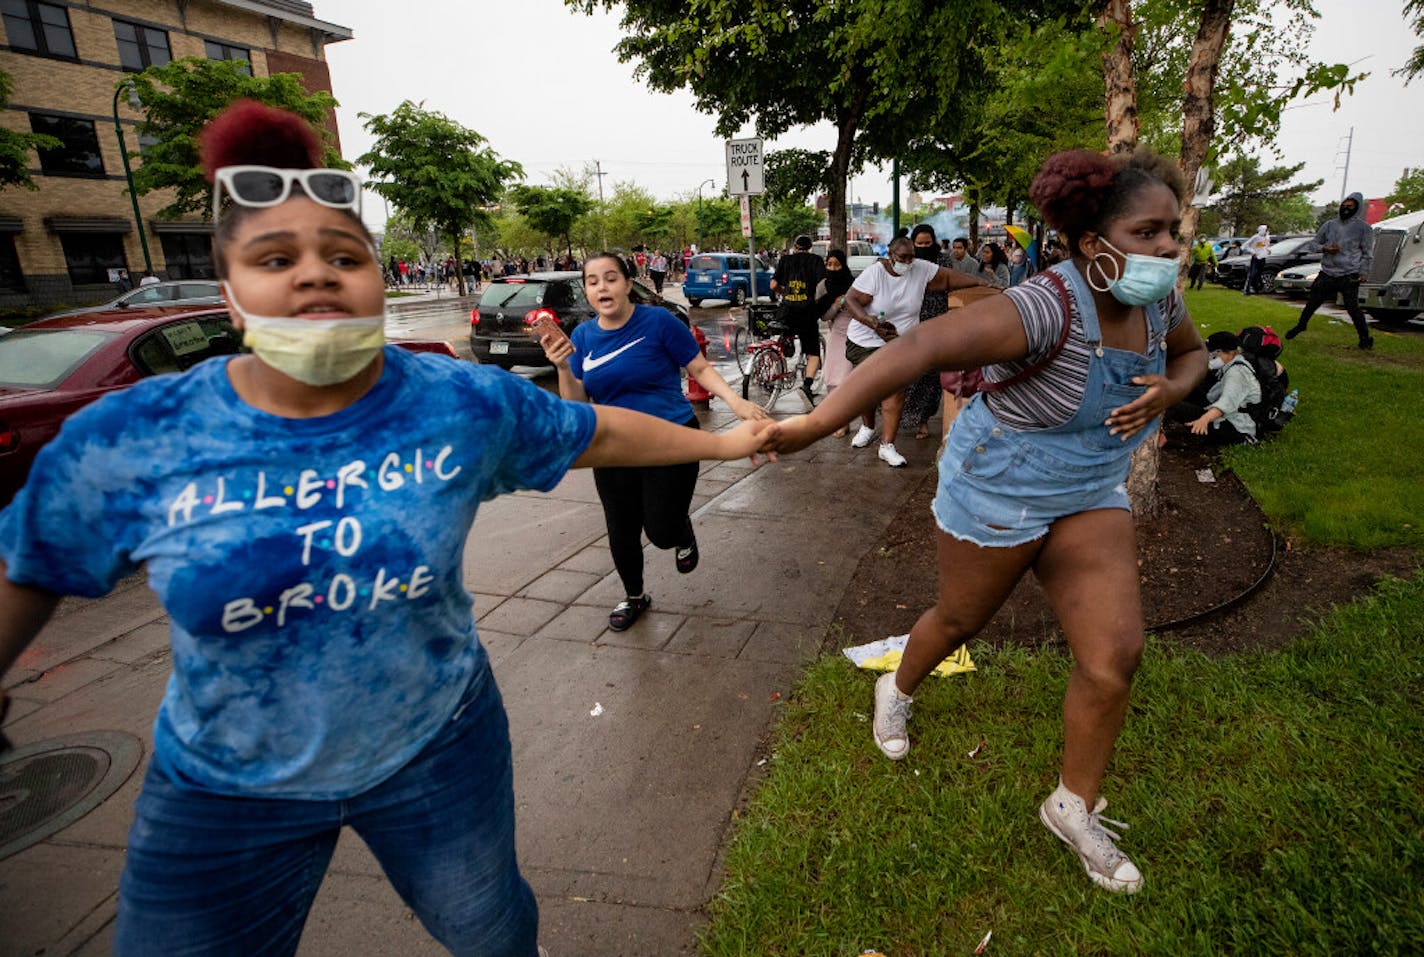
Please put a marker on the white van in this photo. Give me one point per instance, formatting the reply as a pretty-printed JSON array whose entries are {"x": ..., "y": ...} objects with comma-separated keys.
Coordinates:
[
  {"x": 859, "y": 254},
  {"x": 1394, "y": 291}
]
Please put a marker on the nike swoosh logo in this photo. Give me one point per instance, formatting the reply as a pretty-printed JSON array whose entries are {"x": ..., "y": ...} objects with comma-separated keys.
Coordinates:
[{"x": 591, "y": 363}]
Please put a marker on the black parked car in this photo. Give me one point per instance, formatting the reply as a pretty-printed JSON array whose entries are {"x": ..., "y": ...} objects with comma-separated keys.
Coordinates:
[
  {"x": 498, "y": 334},
  {"x": 1285, "y": 253}
]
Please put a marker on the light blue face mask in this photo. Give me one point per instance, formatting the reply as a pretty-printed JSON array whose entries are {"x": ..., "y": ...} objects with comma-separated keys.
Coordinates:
[{"x": 1143, "y": 280}]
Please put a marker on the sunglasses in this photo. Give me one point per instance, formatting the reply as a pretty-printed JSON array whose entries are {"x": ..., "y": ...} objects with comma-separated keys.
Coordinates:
[{"x": 262, "y": 186}]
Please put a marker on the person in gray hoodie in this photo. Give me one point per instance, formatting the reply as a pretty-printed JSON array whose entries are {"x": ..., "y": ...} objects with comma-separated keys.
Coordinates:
[{"x": 1348, "y": 245}]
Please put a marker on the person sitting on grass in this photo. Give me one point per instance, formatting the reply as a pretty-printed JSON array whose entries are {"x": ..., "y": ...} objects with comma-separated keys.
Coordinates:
[
  {"x": 1083, "y": 360},
  {"x": 1224, "y": 420}
]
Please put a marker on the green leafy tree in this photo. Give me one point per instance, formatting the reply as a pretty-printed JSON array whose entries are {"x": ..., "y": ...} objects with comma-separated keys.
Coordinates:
[
  {"x": 785, "y": 221},
  {"x": 876, "y": 67},
  {"x": 552, "y": 211},
  {"x": 1249, "y": 195},
  {"x": 441, "y": 173},
  {"x": 179, "y": 98},
  {"x": 1414, "y": 10},
  {"x": 1408, "y": 191},
  {"x": 719, "y": 223},
  {"x": 15, "y": 147},
  {"x": 796, "y": 176}
]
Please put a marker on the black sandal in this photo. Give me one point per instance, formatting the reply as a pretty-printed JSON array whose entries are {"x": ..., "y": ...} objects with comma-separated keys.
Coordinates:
[{"x": 628, "y": 611}]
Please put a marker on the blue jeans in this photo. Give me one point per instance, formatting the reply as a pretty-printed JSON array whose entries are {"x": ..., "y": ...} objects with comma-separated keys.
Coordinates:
[{"x": 217, "y": 874}]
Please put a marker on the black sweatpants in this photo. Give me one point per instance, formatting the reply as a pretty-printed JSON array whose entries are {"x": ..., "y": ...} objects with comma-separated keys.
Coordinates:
[
  {"x": 1325, "y": 288},
  {"x": 651, "y": 498}
]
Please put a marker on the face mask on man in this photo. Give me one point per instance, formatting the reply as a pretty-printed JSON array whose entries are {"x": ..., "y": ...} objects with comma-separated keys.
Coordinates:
[
  {"x": 1348, "y": 210},
  {"x": 901, "y": 269},
  {"x": 319, "y": 352}
]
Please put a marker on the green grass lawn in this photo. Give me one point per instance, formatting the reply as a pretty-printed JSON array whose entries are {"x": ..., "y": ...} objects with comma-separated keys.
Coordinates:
[
  {"x": 1349, "y": 470},
  {"x": 1275, "y": 804},
  {"x": 1276, "y": 799}
]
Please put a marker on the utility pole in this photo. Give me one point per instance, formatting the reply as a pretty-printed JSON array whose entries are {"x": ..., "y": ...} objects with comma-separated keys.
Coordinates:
[
  {"x": 1345, "y": 180},
  {"x": 894, "y": 197},
  {"x": 602, "y": 228}
]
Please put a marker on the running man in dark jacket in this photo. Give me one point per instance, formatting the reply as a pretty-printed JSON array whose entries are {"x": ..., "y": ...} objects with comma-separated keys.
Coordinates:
[{"x": 1348, "y": 244}]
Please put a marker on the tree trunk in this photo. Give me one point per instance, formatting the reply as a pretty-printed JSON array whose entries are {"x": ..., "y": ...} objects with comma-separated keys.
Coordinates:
[
  {"x": 974, "y": 221},
  {"x": 1115, "y": 17},
  {"x": 847, "y": 122},
  {"x": 1198, "y": 101},
  {"x": 459, "y": 263}
]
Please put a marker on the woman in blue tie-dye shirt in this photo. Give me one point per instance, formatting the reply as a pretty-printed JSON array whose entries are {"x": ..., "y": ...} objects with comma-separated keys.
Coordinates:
[{"x": 302, "y": 514}]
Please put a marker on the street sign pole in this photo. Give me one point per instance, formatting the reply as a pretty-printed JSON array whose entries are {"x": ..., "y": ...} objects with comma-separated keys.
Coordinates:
[{"x": 746, "y": 178}]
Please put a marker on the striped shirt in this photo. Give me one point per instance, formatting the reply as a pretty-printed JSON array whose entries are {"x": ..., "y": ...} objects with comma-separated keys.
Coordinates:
[{"x": 1051, "y": 397}]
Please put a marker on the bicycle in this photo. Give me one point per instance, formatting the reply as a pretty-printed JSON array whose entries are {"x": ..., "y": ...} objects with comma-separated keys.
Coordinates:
[{"x": 769, "y": 370}]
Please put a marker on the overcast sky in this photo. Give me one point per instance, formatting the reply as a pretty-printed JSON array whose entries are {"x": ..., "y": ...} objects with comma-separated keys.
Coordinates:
[{"x": 542, "y": 84}]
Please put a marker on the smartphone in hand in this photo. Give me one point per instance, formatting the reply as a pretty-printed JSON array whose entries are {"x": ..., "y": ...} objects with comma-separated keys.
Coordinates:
[{"x": 547, "y": 325}]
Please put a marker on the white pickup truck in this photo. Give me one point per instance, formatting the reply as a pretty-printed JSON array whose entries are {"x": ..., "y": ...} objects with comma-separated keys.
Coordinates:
[
  {"x": 861, "y": 254},
  {"x": 1394, "y": 291}
]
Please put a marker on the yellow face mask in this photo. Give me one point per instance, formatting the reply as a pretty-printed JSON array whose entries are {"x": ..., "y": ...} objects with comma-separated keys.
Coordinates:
[{"x": 319, "y": 352}]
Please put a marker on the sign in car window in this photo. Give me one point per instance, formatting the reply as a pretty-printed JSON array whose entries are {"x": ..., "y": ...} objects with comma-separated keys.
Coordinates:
[{"x": 185, "y": 337}]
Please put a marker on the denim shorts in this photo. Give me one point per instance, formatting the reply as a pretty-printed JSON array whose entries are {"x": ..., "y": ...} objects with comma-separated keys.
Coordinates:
[
  {"x": 217, "y": 874},
  {"x": 999, "y": 488}
]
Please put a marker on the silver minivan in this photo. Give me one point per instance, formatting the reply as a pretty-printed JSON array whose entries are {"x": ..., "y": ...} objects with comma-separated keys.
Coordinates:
[{"x": 1394, "y": 291}]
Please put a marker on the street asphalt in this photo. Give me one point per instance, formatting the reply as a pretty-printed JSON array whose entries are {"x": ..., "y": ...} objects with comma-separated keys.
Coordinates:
[{"x": 631, "y": 749}]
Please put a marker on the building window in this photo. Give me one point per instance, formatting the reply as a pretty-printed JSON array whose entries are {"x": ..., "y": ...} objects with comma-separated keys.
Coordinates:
[
  {"x": 11, "y": 278},
  {"x": 36, "y": 27},
  {"x": 79, "y": 156},
  {"x": 224, "y": 51},
  {"x": 90, "y": 256},
  {"x": 188, "y": 255},
  {"x": 141, "y": 47}
]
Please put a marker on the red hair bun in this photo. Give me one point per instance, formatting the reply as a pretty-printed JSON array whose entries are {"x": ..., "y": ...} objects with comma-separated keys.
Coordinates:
[{"x": 249, "y": 133}]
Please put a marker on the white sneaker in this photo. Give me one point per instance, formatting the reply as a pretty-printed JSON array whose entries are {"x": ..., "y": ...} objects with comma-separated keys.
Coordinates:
[
  {"x": 890, "y": 457},
  {"x": 862, "y": 438},
  {"x": 1065, "y": 814},
  {"x": 892, "y": 710}
]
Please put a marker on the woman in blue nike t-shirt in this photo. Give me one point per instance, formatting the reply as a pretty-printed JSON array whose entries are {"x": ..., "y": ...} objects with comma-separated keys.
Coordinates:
[
  {"x": 302, "y": 514},
  {"x": 632, "y": 357}
]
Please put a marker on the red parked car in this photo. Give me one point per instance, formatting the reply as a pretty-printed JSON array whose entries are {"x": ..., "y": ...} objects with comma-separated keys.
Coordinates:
[{"x": 52, "y": 368}]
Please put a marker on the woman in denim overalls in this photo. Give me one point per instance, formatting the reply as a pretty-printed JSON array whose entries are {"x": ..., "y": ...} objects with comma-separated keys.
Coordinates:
[{"x": 1052, "y": 497}]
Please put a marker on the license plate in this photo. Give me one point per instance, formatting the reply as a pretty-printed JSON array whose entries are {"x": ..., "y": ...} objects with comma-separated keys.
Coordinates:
[
  {"x": 499, "y": 348},
  {"x": 703, "y": 277}
]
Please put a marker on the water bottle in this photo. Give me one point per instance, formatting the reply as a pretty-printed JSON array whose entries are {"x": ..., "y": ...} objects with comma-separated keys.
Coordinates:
[{"x": 1289, "y": 403}]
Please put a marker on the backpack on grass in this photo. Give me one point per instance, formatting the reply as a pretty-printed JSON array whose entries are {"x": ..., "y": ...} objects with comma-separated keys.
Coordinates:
[{"x": 1260, "y": 346}]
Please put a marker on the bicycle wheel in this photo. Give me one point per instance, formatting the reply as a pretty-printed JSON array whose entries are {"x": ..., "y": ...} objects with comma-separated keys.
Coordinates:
[
  {"x": 767, "y": 379},
  {"x": 741, "y": 339}
]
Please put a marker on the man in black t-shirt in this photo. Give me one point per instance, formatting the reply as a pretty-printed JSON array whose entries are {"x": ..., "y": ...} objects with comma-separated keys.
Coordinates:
[{"x": 795, "y": 280}]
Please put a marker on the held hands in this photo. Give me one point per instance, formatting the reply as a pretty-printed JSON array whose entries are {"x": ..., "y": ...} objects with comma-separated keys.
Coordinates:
[
  {"x": 749, "y": 438},
  {"x": 1127, "y": 420},
  {"x": 791, "y": 435}
]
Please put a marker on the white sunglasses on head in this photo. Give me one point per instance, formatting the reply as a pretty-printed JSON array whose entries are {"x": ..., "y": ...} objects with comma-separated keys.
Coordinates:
[{"x": 262, "y": 186}]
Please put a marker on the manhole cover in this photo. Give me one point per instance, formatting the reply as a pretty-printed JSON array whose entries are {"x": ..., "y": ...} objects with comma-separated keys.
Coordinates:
[{"x": 47, "y": 786}]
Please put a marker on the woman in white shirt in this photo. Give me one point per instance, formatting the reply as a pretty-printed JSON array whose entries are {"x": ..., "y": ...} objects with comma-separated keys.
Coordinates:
[{"x": 884, "y": 302}]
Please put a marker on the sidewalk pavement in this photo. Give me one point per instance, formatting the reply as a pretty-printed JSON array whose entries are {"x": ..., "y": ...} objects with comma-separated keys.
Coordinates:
[{"x": 621, "y": 816}]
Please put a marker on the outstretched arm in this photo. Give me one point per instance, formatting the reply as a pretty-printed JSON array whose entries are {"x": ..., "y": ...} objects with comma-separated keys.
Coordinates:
[
  {"x": 711, "y": 380},
  {"x": 625, "y": 437},
  {"x": 23, "y": 612},
  {"x": 988, "y": 331}
]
